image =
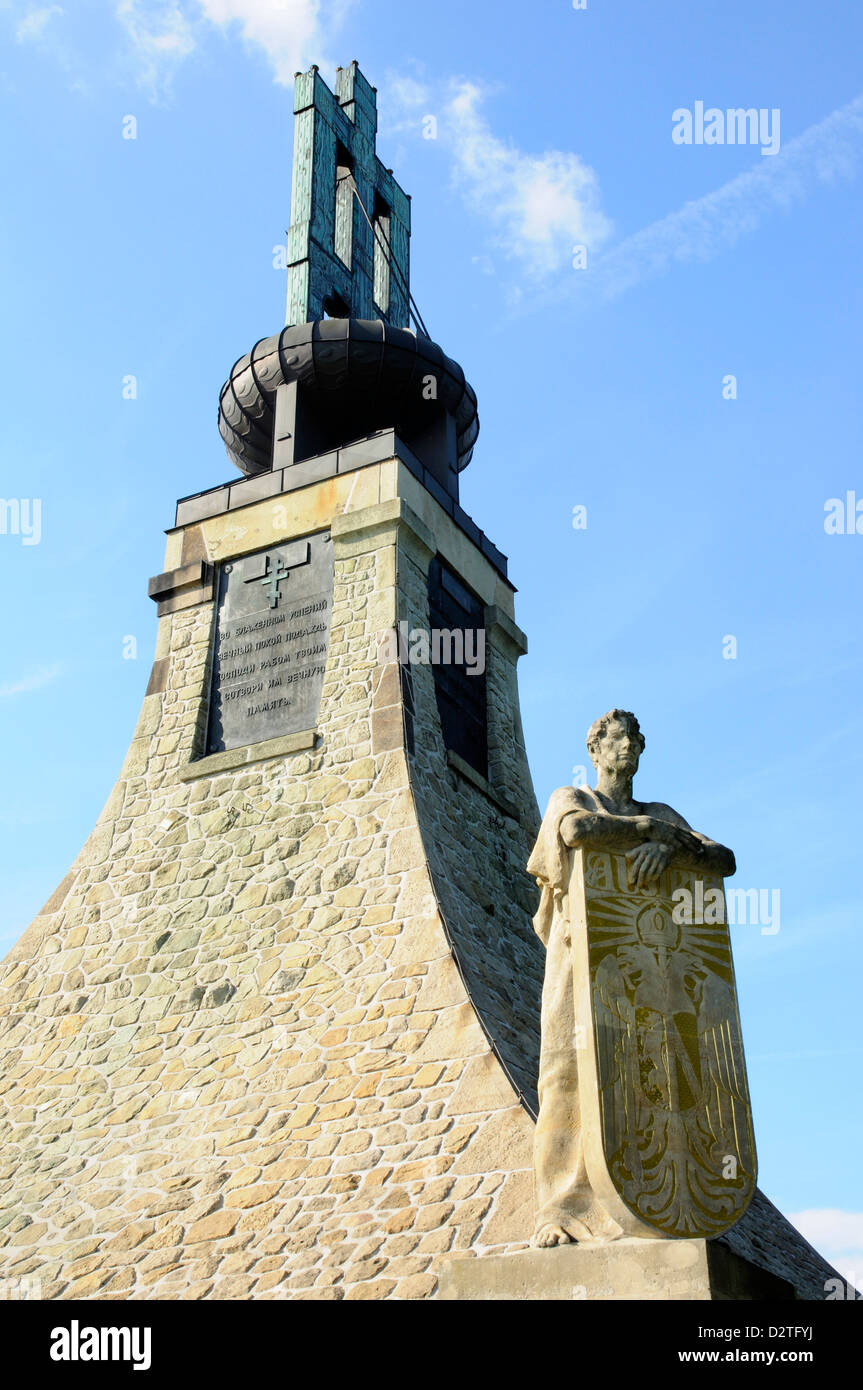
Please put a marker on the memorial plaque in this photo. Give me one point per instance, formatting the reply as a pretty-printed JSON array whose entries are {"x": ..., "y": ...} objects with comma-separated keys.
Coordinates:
[{"x": 272, "y": 637}]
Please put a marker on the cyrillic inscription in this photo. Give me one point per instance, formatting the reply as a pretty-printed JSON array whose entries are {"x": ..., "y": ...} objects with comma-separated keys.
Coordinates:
[{"x": 271, "y": 642}]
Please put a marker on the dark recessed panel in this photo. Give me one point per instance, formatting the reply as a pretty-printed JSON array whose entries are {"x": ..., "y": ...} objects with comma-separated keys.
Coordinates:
[
  {"x": 460, "y": 687},
  {"x": 272, "y": 635}
]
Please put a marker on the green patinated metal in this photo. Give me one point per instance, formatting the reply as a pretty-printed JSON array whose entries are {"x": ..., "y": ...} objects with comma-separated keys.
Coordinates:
[{"x": 349, "y": 240}]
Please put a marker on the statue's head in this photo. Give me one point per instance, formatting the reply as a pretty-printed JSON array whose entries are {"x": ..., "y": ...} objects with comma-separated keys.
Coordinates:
[{"x": 615, "y": 741}]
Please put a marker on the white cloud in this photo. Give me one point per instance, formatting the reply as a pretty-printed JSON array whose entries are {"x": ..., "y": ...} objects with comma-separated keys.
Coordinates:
[
  {"x": 539, "y": 205},
  {"x": 160, "y": 37},
  {"x": 286, "y": 30},
  {"x": 29, "y": 683},
  {"x": 33, "y": 24},
  {"x": 841, "y": 1230},
  {"x": 290, "y": 33},
  {"x": 405, "y": 92},
  {"x": 828, "y": 152},
  {"x": 837, "y": 1235}
]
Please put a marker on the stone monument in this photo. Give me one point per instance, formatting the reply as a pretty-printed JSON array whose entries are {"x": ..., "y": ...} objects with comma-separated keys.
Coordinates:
[
  {"x": 643, "y": 1147},
  {"x": 644, "y": 1122},
  {"x": 276, "y": 1033}
]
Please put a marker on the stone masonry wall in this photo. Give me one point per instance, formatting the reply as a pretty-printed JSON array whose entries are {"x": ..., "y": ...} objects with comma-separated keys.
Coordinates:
[
  {"x": 238, "y": 1057},
  {"x": 478, "y": 842}
]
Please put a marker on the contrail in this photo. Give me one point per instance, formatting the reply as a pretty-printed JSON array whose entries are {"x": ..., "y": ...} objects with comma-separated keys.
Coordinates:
[{"x": 827, "y": 153}]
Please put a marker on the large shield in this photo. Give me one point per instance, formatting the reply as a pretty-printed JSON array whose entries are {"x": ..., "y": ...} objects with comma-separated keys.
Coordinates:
[{"x": 667, "y": 1123}]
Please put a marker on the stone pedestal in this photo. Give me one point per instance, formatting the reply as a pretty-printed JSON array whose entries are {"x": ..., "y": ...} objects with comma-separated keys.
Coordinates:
[{"x": 643, "y": 1270}]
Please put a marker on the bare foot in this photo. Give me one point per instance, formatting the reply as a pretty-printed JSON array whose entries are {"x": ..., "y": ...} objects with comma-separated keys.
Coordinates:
[
  {"x": 595, "y": 1227},
  {"x": 549, "y": 1234}
]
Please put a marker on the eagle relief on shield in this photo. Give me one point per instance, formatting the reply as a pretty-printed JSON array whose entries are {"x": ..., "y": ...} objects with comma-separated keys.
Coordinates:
[{"x": 668, "y": 1139}]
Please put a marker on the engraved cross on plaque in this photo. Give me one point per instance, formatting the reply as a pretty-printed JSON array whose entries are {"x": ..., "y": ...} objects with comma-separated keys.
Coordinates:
[
  {"x": 272, "y": 578},
  {"x": 262, "y": 573}
]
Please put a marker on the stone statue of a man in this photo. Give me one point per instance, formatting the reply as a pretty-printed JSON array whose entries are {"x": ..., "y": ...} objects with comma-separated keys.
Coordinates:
[{"x": 653, "y": 837}]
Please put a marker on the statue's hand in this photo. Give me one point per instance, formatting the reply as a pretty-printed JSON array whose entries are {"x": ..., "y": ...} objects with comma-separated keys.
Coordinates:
[
  {"x": 646, "y": 862},
  {"x": 676, "y": 837}
]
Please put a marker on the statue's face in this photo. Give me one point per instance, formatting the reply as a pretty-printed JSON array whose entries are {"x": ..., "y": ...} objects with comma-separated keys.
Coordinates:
[{"x": 619, "y": 749}]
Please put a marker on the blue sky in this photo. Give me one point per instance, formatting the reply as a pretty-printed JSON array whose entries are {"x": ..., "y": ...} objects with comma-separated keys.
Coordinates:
[{"x": 599, "y": 387}]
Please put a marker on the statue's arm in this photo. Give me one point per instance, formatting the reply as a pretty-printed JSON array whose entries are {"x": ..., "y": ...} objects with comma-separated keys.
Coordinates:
[
  {"x": 599, "y": 831},
  {"x": 688, "y": 849}
]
